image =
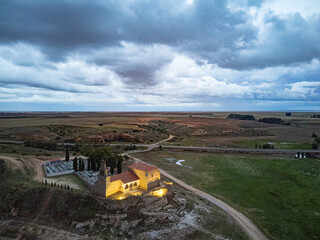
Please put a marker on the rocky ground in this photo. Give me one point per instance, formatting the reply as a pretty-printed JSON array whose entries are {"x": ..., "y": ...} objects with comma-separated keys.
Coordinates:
[
  {"x": 29, "y": 210},
  {"x": 42, "y": 212}
]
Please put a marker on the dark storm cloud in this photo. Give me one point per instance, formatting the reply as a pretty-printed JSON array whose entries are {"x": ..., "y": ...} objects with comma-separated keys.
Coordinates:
[
  {"x": 53, "y": 86},
  {"x": 158, "y": 51},
  {"x": 68, "y": 25},
  {"x": 136, "y": 64},
  {"x": 207, "y": 29},
  {"x": 138, "y": 75},
  {"x": 59, "y": 25},
  {"x": 287, "y": 41}
]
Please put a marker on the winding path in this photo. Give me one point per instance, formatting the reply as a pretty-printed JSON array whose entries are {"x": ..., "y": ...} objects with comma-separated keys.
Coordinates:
[
  {"x": 45, "y": 204},
  {"x": 16, "y": 164},
  {"x": 245, "y": 223}
]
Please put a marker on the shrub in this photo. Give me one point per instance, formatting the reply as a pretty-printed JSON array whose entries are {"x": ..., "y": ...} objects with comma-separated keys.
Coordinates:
[
  {"x": 271, "y": 120},
  {"x": 315, "y": 146},
  {"x": 241, "y": 116}
]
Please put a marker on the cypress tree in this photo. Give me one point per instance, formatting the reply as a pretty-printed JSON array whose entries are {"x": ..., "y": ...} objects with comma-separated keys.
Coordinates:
[
  {"x": 89, "y": 165},
  {"x": 93, "y": 165},
  {"x": 98, "y": 164},
  {"x": 67, "y": 154},
  {"x": 81, "y": 165},
  {"x": 75, "y": 164},
  {"x": 91, "y": 159},
  {"x": 119, "y": 165}
]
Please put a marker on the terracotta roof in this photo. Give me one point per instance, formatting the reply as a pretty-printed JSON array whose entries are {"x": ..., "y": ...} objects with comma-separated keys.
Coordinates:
[
  {"x": 125, "y": 177},
  {"x": 142, "y": 167}
]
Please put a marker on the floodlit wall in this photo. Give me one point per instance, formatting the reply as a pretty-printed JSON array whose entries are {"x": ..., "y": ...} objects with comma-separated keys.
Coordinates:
[
  {"x": 147, "y": 177},
  {"x": 112, "y": 187},
  {"x": 143, "y": 179},
  {"x": 130, "y": 186},
  {"x": 153, "y": 175}
]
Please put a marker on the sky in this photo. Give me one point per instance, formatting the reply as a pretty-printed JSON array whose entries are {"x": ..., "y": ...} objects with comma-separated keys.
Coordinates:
[{"x": 159, "y": 55}]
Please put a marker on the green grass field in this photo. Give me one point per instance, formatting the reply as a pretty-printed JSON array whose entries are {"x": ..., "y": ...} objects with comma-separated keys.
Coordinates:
[
  {"x": 280, "y": 194},
  {"x": 276, "y": 144},
  {"x": 250, "y": 144},
  {"x": 71, "y": 180}
]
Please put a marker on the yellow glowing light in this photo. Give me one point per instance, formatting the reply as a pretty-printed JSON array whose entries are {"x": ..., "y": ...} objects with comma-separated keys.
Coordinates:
[
  {"x": 160, "y": 192},
  {"x": 169, "y": 183},
  {"x": 136, "y": 193},
  {"x": 120, "y": 198}
]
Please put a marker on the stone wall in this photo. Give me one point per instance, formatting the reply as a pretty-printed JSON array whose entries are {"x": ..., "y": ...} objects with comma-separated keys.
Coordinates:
[
  {"x": 84, "y": 180},
  {"x": 154, "y": 184},
  {"x": 58, "y": 173},
  {"x": 112, "y": 187},
  {"x": 100, "y": 186}
]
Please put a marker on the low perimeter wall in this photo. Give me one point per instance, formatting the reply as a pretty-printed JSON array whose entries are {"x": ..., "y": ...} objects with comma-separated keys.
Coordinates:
[
  {"x": 56, "y": 174},
  {"x": 84, "y": 180}
]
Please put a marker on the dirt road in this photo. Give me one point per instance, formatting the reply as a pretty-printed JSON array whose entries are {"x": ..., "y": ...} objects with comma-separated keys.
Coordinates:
[
  {"x": 37, "y": 168},
  {"x": 25, "y": 163},
  {"x": 149, "y": 147},
  {"x": 245, "y": 223},
  {"x": 15, "y": 164}
]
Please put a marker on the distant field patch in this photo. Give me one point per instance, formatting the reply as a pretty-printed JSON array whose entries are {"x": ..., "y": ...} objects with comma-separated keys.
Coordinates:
[{"x": 276, "y": 144}]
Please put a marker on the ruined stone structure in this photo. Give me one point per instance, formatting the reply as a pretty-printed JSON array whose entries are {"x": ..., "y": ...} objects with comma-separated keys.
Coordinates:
[{"x": 140, "y": 175}]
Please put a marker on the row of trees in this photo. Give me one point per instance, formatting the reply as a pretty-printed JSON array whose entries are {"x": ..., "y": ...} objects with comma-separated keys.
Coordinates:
[
  {"x": 264, "y": 146},
  {"x": 67, "y": 187},
  {"x": 95, "y": 156},
  {"x": 48, "y": 145},
  {"x": 241, "y": 116},
  {"x": 271, "y": 120},
  {"x": 78, "y": 164}
]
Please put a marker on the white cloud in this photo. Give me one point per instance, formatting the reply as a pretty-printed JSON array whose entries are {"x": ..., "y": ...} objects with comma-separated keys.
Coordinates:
[
  {"x": 307, "y": 90},
  {"x": 305, "y": 8},
  {"x": 179, "y": 80}
]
